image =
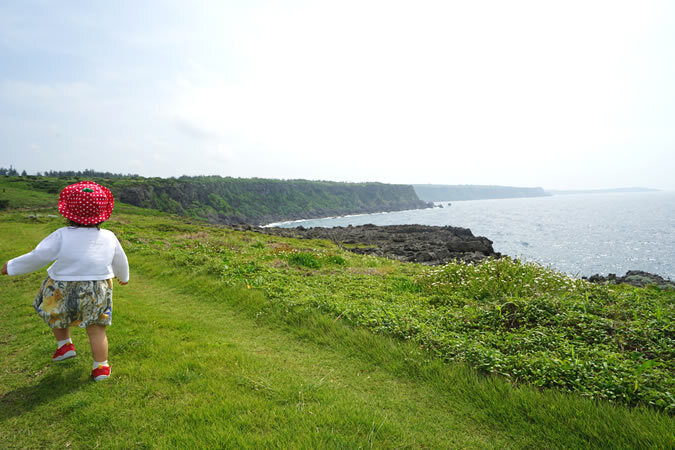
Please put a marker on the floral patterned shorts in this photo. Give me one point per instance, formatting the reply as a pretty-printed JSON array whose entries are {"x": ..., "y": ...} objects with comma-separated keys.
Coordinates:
[{"x": 74, "y": 303}]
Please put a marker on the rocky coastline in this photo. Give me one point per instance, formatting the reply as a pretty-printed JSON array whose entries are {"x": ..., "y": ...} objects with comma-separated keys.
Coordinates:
[
  {"x": 636, "y": 278},
  {"x": 430, "y": 245}
]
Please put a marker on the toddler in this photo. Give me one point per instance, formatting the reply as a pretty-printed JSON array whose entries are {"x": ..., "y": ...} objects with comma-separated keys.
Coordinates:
[{"x": 78, "y": 290}]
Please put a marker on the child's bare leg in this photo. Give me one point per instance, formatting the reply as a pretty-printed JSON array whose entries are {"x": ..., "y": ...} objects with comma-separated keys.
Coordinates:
[
  {"x": 98, "y": 341},
  {"x": 61, "y": 334},
  {"x": 64, "y": 345}
]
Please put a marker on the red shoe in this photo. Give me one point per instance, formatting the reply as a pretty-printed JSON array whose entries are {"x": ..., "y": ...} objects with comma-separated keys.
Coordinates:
[
  {"x": 101, "y": 373},
  {"x": 64, "y": 352}
]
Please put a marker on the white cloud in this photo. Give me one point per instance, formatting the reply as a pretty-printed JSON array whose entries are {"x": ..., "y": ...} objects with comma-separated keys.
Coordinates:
[{"x": 523, "y": 92}]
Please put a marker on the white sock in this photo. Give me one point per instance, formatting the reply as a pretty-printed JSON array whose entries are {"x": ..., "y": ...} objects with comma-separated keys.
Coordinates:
[
  {"x": 60, "y": 344},
  {"x": 96, "y": 364}
]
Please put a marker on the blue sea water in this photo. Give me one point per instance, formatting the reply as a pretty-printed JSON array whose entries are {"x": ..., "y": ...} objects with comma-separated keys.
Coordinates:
[{"x": 579, "y": 234}]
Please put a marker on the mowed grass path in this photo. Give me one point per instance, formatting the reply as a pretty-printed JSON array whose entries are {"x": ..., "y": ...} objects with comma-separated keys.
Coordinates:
[{"x": 198, "y": 365}]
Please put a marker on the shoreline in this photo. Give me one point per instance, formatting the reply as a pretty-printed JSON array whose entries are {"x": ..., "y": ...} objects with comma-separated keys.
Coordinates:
[
  {"x": 299, "y": 221},
  {"x": 431, "y": 245},
  {"x": 582, "y": 235}
]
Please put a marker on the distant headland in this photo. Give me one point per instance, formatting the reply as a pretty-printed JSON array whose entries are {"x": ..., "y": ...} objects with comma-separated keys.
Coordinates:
[
  {"x": 443, "y": 192},
  {"x": 449, "y": 192},
  {"x": 600, "y": 191}
]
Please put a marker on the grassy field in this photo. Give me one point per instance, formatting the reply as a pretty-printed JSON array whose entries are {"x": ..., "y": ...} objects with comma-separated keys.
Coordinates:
[{"x": 234, "y": 339}]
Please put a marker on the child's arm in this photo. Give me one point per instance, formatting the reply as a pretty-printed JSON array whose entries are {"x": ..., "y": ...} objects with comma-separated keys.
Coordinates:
[
  {"x": 120, "y": 264},
  {"x": 4, "y": 269},
  {"x": 45, "y": 252}
]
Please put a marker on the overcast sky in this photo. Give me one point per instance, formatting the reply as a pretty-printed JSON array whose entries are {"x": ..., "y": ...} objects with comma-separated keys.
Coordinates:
[{"x": 564, "y": 94}]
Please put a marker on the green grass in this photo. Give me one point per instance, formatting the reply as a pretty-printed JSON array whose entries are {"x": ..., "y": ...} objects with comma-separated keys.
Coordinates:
[
  {"x": 17, "y": 195},
  {"x": 223, "y": 339}
]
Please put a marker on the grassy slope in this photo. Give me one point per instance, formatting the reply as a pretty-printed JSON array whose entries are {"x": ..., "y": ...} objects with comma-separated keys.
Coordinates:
[
  {"x": 20, "y": 197},
  {"x": 196, "y": 362}
]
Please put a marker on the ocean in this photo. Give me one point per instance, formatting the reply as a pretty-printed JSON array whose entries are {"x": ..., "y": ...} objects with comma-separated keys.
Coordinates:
[{"x": 581, "y": 234}]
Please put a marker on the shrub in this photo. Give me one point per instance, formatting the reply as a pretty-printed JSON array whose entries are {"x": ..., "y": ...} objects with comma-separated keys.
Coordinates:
[
  {"x": 337, "y": 260},
  {"x": 304, "y": 259}
]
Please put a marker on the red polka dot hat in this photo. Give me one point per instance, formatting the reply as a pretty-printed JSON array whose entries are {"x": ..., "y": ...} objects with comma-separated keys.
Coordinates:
[{"x": 86, "y": 203}]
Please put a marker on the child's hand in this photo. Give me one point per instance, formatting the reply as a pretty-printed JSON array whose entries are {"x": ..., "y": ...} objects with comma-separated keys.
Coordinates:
[
  {"x": 4, "y": 269},
  {"x": 122, "y": 282}
]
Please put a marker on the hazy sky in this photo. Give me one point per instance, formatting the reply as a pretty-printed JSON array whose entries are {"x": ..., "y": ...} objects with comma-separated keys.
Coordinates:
[{"x": 564, "y": 94}]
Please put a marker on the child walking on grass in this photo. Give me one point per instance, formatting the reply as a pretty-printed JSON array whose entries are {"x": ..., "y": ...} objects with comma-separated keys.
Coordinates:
[{"x": 78, "y": 290}]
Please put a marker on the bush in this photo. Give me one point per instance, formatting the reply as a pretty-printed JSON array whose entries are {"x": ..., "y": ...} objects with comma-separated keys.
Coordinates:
[
  {"x": 304, "y": 259},
  {"x": 337, "y": 260}
]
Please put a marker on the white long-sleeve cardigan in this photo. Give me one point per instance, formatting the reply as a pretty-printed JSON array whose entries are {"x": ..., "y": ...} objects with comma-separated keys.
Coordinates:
[{"x": 80, "y": 254}]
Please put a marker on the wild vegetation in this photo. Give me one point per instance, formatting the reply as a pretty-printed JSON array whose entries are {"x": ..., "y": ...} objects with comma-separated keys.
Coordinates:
[
  {"x": 522, "y": 321},
  {"x": 255, "y": 340}
]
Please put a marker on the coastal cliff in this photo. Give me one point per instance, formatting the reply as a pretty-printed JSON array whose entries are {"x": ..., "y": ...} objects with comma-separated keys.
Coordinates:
[
  {"x": 259, "y": 201},
  {"x": 253, "y": 201}
]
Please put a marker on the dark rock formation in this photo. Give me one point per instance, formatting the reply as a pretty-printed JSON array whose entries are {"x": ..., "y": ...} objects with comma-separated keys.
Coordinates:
[
  {"x": 634, "y": 278},
  {"x": 413, "y": 243}
]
